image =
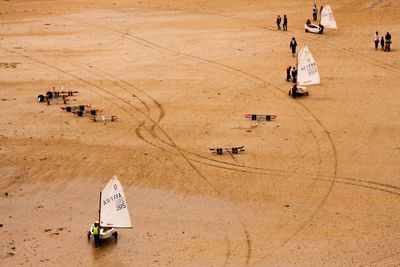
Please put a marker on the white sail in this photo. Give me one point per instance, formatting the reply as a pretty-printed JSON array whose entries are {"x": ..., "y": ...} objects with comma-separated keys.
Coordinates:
[
  {"x": 307, "y": 70},
  {"x": 113, "y": 208},
  {"x": 327, "y": 18}
]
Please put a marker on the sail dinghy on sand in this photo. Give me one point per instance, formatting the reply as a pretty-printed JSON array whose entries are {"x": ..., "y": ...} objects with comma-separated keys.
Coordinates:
[
  {"x": 113, "y": 210},
  {"x": 307, "y": 73},
  {"x": 327, "y": 21}
]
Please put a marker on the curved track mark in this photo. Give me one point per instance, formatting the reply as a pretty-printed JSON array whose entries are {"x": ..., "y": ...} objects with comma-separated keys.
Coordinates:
[{"x": 172, "y": 143}]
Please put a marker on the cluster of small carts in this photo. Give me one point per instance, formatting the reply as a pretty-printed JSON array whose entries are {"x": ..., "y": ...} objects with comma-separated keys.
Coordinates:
[{"x": 64, "y": 97}]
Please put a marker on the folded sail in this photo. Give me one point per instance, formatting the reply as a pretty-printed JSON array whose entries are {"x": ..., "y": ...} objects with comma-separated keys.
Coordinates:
[
  {"x": 307, "y": 72},
  {"x": 113, "y": 208},
  {"x": 327, "y": 18}
]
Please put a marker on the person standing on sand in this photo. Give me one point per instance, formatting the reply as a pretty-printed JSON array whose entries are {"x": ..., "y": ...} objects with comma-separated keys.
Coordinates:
[
  {"x": 278, "y": 22},
  {"x": 388, "y": 41},
  {"x": 294, "y": 90},
  {"x": 315, "y": 12},
  {"x": 382, "y": 43},
  {"x": 293, "y": 45},
  {"x": 294, "y": 75},
  {"x": 376, "y": 40},
  {"x": 96, "y": 235},
  {"x": 284, "y": 23},
  {"x": 288, "y": 73},
  {"x": 291, "y": 73}
]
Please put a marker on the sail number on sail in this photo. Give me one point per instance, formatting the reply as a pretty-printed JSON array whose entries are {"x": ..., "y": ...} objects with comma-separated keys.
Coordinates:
[
  {"x": 311, "y": 68},
  {"x": 117, "y": 199}
]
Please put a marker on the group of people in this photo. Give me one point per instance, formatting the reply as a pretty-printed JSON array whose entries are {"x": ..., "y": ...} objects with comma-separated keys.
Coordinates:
[
  {"x": 279, "y": 20},
  {"x": 385, "y": 41},
  {"x": 315, "y": 12},
  {"x": 291, "y": 74}
]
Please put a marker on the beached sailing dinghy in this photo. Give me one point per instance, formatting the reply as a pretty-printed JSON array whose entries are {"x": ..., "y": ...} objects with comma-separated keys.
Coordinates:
[
  {"x": 307, "y": 73},
  {"x": 327, "y": 21},
  {"x": 113, "y": 210}
]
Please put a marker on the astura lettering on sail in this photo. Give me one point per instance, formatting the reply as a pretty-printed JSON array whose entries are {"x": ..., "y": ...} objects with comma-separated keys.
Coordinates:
[
  {"x": 311, "y": 68},
  {"x": 117, "y": 199},
  {"x": 307, "y": 68},
  {"x": 114, "y": 209}
]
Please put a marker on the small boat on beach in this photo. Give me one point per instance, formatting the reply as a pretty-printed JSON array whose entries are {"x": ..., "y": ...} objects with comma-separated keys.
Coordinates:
[
  {"x": 327, "y": 21},
  {"x": 113, "y": 211},
  {"x": 307, "y": 73}
]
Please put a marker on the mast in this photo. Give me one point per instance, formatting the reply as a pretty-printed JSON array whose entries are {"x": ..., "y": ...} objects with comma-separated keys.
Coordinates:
[
  {"x": 99, "y": 208},
  {"x": 297, "y": 65},
  {"x": 297, "y": 68}
]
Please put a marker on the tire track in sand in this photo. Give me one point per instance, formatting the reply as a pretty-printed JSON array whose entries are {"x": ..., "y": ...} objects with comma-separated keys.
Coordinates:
[
  {"x": 151, "y": 45},
  {"x": 228, "y": 253},
  {"x": 148, "y": 43},
  {"x": 233, "y": 70},
  {"x": 187, "y": 151},
  {"x": 317, "y": 120}
]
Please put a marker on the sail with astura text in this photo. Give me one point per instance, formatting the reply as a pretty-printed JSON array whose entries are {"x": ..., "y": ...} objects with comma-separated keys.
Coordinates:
[
  {"x": 113, "y": 207},
  {"x": 307, "y": 68}
]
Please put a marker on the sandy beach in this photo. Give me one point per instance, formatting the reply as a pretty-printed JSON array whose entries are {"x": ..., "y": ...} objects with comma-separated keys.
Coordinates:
[{"x": 318, "y": 186}]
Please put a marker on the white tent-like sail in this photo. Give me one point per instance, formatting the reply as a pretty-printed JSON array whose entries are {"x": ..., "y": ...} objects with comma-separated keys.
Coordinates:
[
  {"x": 327, "y": 18},
  {"x": 307, "y": 70},
  {"x": 113, "y": 208}
]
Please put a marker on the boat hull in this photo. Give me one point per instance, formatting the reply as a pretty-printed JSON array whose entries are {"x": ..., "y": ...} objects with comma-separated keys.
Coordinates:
[
  {"x": 300, "y": 91},
  {"x": 104, "y": 232},
  {"x": 313, "y": 28}
]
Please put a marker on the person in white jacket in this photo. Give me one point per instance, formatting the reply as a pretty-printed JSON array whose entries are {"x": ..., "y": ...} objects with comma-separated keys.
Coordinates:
[{"x": 376, "y": 40}]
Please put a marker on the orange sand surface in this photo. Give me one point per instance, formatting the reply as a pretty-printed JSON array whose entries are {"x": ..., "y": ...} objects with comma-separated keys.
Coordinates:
[{"x": 318, "y": 186}]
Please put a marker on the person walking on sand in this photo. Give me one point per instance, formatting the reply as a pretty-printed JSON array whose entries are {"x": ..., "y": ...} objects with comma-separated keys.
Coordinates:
[
  {"x": 293, "y": 45},
  {"x": 288, "y": 73},
  {"x": 382, "y": 43},
  {"x": 278, "y": 22},
  {"x": 284, "y": 23},
  {"x": 376, "y": 40},
  {"x": 388, "y": 41}
]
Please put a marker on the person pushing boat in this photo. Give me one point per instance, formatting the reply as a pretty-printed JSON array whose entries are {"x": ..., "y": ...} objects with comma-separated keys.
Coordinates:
[{"x": 113, "y": 213}]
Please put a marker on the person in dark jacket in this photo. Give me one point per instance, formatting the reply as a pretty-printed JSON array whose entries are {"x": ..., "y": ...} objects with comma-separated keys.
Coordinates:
[
  {"x": 294, "y": 75},
  {"x": 278, "y": 22},
  {"x": 288, "y": 73},
  {"x": 382, "y": 43},
  {"x": 315, "y": 12},
  {"x": 388, "y": 41},
  {"x": 284, "y": 23},
  {"x": 294, "y": 90},
  {"x": 293, "y": 45}
]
